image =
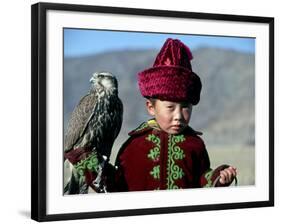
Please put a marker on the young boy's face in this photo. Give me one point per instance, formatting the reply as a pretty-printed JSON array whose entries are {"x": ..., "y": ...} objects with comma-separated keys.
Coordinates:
[{"x": 172, "y": 117}]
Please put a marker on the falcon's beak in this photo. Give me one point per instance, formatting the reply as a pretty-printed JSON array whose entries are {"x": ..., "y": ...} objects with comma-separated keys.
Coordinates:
[{"x": 92, "y": 80}]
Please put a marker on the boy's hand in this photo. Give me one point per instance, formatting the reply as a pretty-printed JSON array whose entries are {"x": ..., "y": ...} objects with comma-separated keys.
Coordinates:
[{"x": 227, "y": 175}]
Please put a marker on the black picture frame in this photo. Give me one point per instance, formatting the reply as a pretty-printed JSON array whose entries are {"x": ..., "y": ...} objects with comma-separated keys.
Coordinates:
[{"x": 39, "y": 110}]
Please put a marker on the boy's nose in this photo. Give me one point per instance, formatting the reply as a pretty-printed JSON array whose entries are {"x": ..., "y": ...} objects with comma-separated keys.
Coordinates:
[{"x": 178, "y": 115}]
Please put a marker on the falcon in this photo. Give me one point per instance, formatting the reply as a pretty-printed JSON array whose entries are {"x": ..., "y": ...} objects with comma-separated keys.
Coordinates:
[{"x": 92, "y": 129}]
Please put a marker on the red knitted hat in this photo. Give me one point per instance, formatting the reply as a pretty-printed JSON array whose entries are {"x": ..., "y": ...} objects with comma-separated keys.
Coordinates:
[{"x": 171, "y": 77}]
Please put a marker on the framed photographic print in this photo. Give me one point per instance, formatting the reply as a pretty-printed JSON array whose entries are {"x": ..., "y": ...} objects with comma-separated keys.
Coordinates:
[{"x": 84, "y": 163}]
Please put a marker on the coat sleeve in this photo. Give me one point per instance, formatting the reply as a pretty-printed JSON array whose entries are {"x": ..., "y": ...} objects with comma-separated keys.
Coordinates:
[
  {"x": 116, "y": 181},
  {"x": 210, "y": 177}
]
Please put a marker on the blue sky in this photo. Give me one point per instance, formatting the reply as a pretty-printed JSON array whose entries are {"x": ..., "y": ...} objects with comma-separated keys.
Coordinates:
[{"x": 80, "y": 42}]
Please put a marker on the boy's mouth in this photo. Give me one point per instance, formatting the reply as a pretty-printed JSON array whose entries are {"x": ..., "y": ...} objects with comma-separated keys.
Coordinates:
[{"x": 177, "y": 127}]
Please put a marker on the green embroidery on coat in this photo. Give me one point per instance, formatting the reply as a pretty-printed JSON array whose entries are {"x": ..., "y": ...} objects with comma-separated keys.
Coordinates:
[
  {"x": 174, "y": 172},
  {"x": 154, "y": 153},
  {"x": 153, "y": 138},
  {"x": 208, "y": 176},
  {"x": 90, "y": 163},
  {"x": 155, "y": 172}
]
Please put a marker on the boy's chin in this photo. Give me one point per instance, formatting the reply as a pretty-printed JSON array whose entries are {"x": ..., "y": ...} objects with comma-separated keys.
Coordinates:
[{"x": 174, "y": 131}]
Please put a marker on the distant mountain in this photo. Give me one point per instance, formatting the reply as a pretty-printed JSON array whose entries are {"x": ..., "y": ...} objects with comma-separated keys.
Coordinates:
[{"x": 225, "y": 114}]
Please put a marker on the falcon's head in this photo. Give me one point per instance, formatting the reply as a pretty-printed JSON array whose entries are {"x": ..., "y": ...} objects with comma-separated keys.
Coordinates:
[{"x": 104, "y": 81}]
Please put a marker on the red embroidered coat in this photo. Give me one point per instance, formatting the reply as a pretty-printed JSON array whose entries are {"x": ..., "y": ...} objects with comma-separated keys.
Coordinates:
[{"x": 152, "y": 159}]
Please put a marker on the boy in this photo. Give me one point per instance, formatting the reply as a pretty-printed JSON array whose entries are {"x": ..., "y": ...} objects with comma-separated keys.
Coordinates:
[{"x": 164, "y": 152}]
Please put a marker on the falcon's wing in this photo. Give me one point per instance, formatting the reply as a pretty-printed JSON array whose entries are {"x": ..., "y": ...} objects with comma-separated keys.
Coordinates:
[{"x": 79, "y": 120}]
